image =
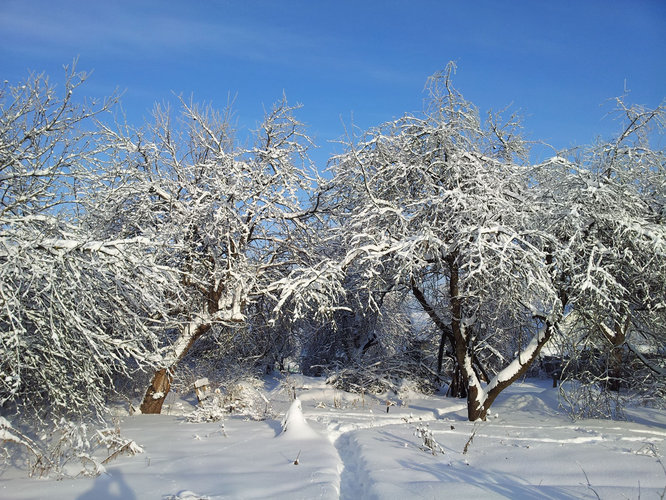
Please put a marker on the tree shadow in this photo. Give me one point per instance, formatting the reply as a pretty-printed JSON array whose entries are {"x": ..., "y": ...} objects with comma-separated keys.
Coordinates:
[
  {"x": 650, "y": 417},
  {"x": 276, "y": 425},
  {"x": 501, "y": 484},
  {"x": 439, "y": 473},
  {"x": 109, "y": 486},
  {"x": 452, "y": 413}
]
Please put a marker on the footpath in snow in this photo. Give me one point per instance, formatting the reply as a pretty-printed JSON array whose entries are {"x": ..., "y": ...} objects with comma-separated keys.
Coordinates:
[{"x": 330, "y": 444}]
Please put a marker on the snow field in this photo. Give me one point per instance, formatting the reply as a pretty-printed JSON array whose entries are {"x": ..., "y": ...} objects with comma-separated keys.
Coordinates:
[{"x": 349, "y": 447}]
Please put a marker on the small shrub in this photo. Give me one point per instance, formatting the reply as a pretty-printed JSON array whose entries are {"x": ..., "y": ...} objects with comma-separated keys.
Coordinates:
[
  {"x": 429, "y": 443},
  {"x": 69, "y": 449}
]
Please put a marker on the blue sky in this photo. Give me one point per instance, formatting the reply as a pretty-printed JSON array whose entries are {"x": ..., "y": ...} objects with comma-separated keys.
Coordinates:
[{"x": 557, "y": 62}]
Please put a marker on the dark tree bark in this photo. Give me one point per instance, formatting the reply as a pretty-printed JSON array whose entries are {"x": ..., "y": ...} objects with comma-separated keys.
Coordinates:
[
  {"x": 160, "y": 385},
  {"x": 458, "y": 386},
  {"x": 446, "y": 331}
]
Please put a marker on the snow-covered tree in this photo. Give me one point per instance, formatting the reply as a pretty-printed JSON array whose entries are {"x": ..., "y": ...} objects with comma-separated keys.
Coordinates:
[
  {"x": 605, "y": 206},
  {"x": 73, "y": 308},
  {"x": 74, "y": 317},
  {"x": 440, "y": 203},
  {"x": 223, "y": 216}
]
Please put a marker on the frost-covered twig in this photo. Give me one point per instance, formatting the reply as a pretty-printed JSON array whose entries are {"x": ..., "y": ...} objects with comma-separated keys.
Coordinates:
[
  {"x": 470, "y": 440},
  {"x": 429, "y": 443}
]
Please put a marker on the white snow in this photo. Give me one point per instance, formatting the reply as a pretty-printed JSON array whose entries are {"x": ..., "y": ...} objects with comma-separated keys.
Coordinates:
[
  {"x": 347, "y": 446},
  {"x": 294, "y": 425}
]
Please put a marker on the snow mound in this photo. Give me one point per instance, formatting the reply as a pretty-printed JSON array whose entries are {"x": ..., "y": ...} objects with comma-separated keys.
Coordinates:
[{"x": 294, "y": 424}]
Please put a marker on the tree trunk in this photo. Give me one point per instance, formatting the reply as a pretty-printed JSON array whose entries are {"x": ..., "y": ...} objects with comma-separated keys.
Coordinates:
[
  {"x": 161, "y": 383},
  {"x": 458, "y": 387},
  {"x": 616, "y": 361},
  {"x": 475, "y": 408},
  {"x": 615, "y": 371},
  {"x": 446, "y": 331},
  {"x": 157, "y": 391}
]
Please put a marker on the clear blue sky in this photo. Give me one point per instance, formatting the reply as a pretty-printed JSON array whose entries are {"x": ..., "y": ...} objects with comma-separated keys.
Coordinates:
[{"x": 557, "y": 61}]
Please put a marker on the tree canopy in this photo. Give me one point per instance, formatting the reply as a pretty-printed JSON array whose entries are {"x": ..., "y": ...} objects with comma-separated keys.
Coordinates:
[{"x": 432, "y": 242}]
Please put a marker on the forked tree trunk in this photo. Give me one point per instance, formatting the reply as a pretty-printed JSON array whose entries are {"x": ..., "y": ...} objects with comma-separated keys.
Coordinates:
[
  {"x": 458, "y": 387},
  {"x": 479, "y": 399},
  {"x": 218, "y": 311}
]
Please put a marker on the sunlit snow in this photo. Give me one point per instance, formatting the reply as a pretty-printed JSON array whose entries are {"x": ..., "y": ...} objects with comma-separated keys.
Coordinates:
[{"x": 332, "y": 444}]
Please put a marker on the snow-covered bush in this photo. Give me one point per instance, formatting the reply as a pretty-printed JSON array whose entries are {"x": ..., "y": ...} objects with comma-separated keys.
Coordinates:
[
  {"x": 589, "y": 399},
  {"x": 388, "y": 374},
  {"x": 68, "y": 449},
  {"x": 211, "y": 409},
  {"x": 238, "y": 397}
]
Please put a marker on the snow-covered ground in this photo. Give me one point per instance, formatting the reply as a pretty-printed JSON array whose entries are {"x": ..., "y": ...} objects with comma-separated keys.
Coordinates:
[{"x": 340, "y": 445}]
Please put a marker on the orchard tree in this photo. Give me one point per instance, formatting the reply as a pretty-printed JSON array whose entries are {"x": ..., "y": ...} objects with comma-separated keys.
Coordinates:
[
  {"x": 440, "y": 204},
  {"x": 73, "y": 308},
  {"x": 224, "y": 217},
  {"x": 605, "y": 206},
  {"x": 75, "y": 317}
]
